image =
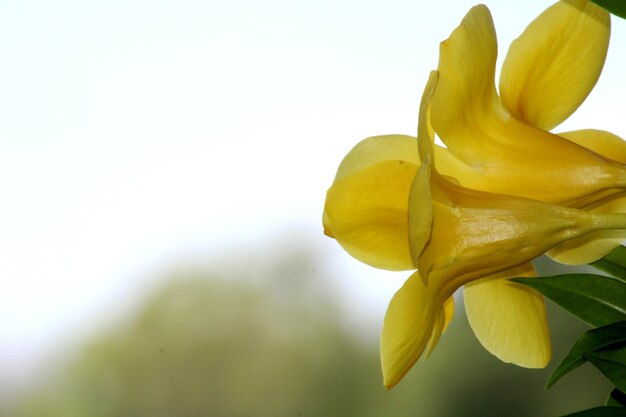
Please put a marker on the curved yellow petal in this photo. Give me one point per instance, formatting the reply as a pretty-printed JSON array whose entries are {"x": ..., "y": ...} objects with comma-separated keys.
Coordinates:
[
  {"x": 377, "y": 149},
  {"x": 425, "y": 132},
  {"x": 509, "y": 319},
  {"x": 420, "y": 211},
  {"x": 407, "y": 327},
  {"x": 600, "y": 141},
  {"x": 444, "y": 318},
  {"x": 553, "y": 66},
  {"x": 466, "y": 86},
  {"x": 420, "y": 202},
  {"x": 367, "y": 212},
  {"x": 594, "y": 245},
  {"x": 369, "y": 152}
]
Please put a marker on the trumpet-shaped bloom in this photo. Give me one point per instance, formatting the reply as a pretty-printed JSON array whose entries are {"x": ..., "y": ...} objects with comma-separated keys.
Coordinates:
[
  {"x": 501, "y": 143},
  {"x": 390, "y": 207}
]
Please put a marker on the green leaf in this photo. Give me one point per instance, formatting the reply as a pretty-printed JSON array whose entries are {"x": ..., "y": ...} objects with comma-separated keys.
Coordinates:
[
  {"x": 595, "y": 299},
  {"x": 601, "y": 412},
  {"x": 617, "y": 7},
  {"x": 612, "y": 364},
  {"x": 614, "y": 263},
  {"x": 590, "y": 341},
  {"x": 616, "y": 399}
]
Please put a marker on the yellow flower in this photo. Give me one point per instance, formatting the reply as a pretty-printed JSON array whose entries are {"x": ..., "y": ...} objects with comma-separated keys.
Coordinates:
[
  {"x": 501, "y": 144},
  {"x": 389, "y": 207}
]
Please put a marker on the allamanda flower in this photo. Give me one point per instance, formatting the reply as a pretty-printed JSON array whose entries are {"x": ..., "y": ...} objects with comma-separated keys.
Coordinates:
[
  {"x": 393, "y": 211},
  {"x": 502, "y": 144}
]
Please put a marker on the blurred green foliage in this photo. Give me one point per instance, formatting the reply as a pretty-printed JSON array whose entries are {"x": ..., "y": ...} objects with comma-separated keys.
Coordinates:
[{"x": 210, "y": 343}]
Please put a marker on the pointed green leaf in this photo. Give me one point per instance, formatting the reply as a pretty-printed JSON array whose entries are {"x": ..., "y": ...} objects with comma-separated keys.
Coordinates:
[
  {"x": 601, "y": 412},
  {"x": 612, "y": 363},
  {"x": 617, "y": 7},
  {"x": 595, "y": 299},
  {"x": 616, "y": 399},
  {"x": 589, "y": 341},
  {"x": 614, "y": 263}
]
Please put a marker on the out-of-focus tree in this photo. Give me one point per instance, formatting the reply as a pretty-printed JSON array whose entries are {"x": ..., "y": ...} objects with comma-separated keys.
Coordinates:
[{"x": 209, "y": 343}]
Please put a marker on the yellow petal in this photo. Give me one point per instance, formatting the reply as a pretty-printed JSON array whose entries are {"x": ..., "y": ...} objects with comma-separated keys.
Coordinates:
[
  {"x": 600, "y": 141},
  {"x": 425, "y": 132},
  {"x": 367, "y": 212},
  {"x": 421, "y": 212},
  {"x": 552, "y": 67},
  {"x": 594, "y": 245},
  {"x": 407, "y": 327},
  {"x": 377, "y": 149},
  {"x": 448, "y": 312},
  {"x": 509, "y": 319},
  {"x": 466, "y": 85},
  {"x": 369, "y": 152},
  {"x": 444, "y": 318}
]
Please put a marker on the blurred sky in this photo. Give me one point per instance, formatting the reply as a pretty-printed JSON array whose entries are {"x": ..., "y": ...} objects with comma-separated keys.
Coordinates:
[{"x": 136, "y": 134}]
